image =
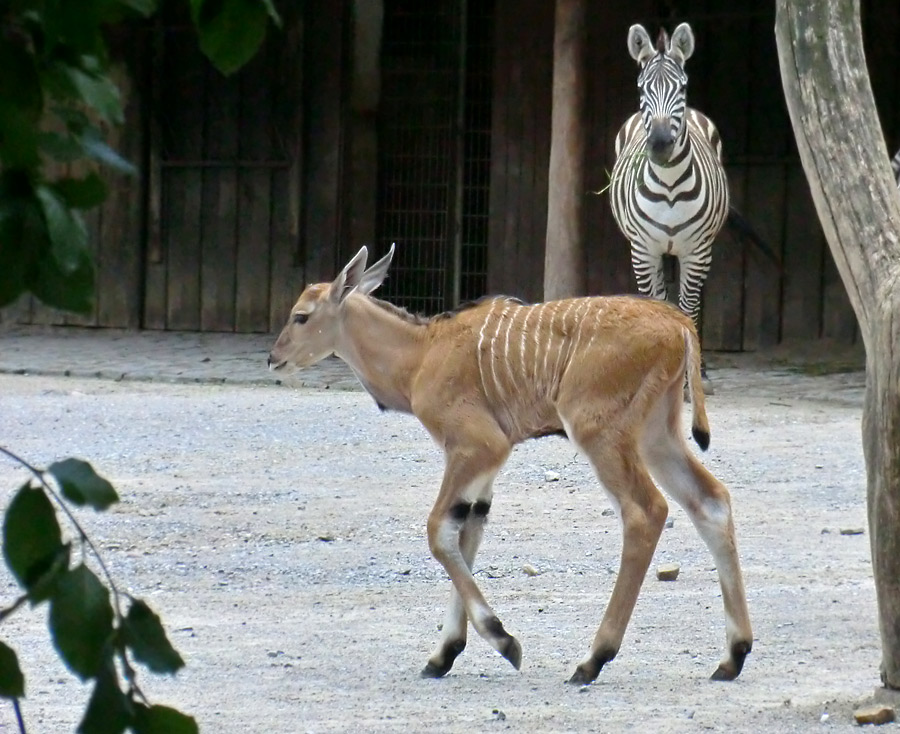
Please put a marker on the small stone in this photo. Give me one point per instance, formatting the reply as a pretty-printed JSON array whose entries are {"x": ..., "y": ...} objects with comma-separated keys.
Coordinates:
[
  {"x": 852, "y": 531},
  {"x": 608, "y": 512},
  {"x": 824, "y": 717},
  {"x": 874, "y": 715},
  {"x": 667, "y": 572},
  {"x": 530, "y": 570},
  {"x": 551, "y": 476},
  {"x": 326, "y": 538},
  {"x": 670, "y": 523}
]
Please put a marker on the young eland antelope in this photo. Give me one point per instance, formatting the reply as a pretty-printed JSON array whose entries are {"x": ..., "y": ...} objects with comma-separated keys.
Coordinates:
[{"x": 608, "y": 373}]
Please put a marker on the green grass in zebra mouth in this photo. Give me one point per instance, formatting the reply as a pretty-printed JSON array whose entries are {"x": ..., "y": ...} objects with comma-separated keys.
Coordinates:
[{"x": 636, "y": 158}]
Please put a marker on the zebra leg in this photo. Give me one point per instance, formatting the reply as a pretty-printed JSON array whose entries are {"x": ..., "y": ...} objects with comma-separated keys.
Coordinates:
[
  {"x": 694, "y": 270},
  {"x": 649, "y": 272}
]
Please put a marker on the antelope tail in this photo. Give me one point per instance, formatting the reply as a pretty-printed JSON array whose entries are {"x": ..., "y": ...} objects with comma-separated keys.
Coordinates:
[{"x": 699, "y": 421}]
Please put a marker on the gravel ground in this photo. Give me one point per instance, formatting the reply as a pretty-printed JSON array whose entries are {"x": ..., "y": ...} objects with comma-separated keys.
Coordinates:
[{"x": 280, "y": 534}]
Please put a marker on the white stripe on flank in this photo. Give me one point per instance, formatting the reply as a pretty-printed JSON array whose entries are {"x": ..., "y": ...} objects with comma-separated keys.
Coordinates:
[
  {"x": 512, "y": 380},
  {"x": 548, "y": 347},
  {"x": 480, "y": 353},
  {"x": 501, "y": 394},
  {"x": 579, "y": 318},
  {"x": 594, "y": 327},
  {"x": 564, "y": 342},
  {"x": 537, "y": 352},
  {"x": 530, "y": 310}
]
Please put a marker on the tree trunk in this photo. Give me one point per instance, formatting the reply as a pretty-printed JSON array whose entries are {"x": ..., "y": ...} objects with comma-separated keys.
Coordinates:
[
  {"x": 842, "y": 149},
  {"x": 564, "y": 260}
]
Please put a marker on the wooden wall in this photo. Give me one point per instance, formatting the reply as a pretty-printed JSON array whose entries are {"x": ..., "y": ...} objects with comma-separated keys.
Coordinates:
[{"x": 520, "y": 147}]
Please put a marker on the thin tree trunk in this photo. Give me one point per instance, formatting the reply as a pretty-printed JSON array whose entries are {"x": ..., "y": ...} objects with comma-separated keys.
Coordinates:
[
  {"x": 842, "y": 148},
  {"x": 564, "y": 259}
]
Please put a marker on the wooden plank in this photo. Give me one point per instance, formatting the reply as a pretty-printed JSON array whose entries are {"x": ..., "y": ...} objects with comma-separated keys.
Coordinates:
[
  {"x": 765, "y": 208},
  {"x": 218, "y": 219},
  {"x": 541, "y": 80},
  {"x": 838, "y": 319},
  {"x": 723, "y": 294},
  {"x": 325, "y": 25},
  {"x": 725, "y": 57},
  {"x": 155, "y": 270},
  {"x": 286, "y": 271},
  {"x": 92, "y": 219},
  {"x": 515, "y": 86},
  {"x": 182, "y": 102},
  {"x": 253, "y": 266},
  {"x": 498, "y": 253},
  {"x": 803, "y": 250},
  {"x": 119, "y": 285}
]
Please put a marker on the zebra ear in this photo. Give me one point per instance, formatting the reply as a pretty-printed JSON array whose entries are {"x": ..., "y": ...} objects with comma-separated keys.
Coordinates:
[
  {"x": 639, "y": 44},
  {"x": 682, "y": 45}
]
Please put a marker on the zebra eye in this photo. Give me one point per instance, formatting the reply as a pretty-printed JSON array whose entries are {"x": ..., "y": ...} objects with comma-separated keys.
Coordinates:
[{"x": 301, "y": 318}]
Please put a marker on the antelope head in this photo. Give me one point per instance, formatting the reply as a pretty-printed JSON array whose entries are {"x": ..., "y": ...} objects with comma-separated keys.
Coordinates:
[{"x": 313, "y": 329}]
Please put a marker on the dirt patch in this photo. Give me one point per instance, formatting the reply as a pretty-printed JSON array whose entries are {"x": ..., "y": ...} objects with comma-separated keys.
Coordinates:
[{"x": 280, "y": 533}]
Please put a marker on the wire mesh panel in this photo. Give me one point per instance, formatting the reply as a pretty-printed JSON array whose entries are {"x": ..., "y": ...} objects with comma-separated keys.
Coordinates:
[{"x": 434, "y": 151}]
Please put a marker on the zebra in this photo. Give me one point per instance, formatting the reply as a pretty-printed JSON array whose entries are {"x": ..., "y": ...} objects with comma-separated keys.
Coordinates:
[
  {"x": 895, "y": 164},
  {"x": 668, "y": 189}
]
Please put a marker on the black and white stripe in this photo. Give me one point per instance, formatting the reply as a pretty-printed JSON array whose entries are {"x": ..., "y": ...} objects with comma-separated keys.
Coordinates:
[
  {"x": 895, "y": 164},
  {"x": 669, "y": 192}
]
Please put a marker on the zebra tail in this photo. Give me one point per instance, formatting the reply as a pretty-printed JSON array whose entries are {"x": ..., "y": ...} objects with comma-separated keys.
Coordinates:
[
  {"x": 699, "y": 421},
  {"x": 738, "y": 223}
]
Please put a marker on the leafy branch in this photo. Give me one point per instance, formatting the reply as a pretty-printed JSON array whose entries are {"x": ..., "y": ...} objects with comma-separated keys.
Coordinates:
[
  {"x": 635, "y": 159},
  {"x": 91, "y": 634}
]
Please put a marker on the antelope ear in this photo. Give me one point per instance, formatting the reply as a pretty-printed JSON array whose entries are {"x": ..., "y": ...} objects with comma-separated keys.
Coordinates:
[
  {"x": 374, "y": 276},
  {"x": 349, "y": 277},
  {"x": 682, "y": 46},
  {"x": 639, "y": 44}
]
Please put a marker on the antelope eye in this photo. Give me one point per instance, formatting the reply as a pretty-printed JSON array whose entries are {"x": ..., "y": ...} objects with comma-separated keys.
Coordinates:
[{"x": 301, "y": 318}]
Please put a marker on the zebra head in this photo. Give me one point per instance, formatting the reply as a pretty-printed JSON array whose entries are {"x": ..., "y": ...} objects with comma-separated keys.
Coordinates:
[{"x": 662, "y": 82}]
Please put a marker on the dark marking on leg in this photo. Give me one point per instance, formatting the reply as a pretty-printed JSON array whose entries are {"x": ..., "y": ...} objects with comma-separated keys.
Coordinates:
[
  {"x": 481, "y": 509},
  {"x": 732, "y": 669},
  {"x": 510, "y": 649},
  {"x": 588, "y": 671},
  {"x": 450, "y": 653},
  {"x": 701, "y": 437},
  {"x": 460, "y": 511}
]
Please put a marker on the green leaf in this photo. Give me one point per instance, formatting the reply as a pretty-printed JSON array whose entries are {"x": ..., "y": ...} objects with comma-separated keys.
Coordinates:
[
  {"x": 44, "y": 585},
  {"x": 81, "y": 619},
  {"x": 65, "y": 228},
  {"x": 12, "y": 682},
  {"x": 81, "y": 193},
  {"x": 98, "y": 91},
  {"x": 62, "y": 148},
  {"x": 273, "y": 12},
  {"x": 69, "y": 291},
  {"x": 18, "y": 139},
  {"x": 143, "y": 633},
  {"x": 19, "y": 79},
  {"x": 82, "y": 485},
  {"x": 109, "y": 711},
  {"x": 163, "y": 720},
  {"x": 95, "y": 147},
  {"x": 231, "y": 31},
  {"x": 31, "y": 535},
  {"x": 144, "y": 7}
]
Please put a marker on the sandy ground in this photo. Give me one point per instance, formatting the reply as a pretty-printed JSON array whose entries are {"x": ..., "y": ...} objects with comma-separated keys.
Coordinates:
[{"x": 280, "y": 534}]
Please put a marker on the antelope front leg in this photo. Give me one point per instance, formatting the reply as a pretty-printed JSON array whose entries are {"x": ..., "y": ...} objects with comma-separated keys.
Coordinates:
[
  {"x": 455, "y": 527},
  {"x": 453, "y": 632}
]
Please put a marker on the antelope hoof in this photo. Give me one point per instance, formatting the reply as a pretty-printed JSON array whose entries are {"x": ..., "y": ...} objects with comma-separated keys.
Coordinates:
[
  {"x": 587, "y": 672},
  {"x": 438, "y": 669},
  {"x": 731, "y": 669},
  {"x": 512, "y": 651}
]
